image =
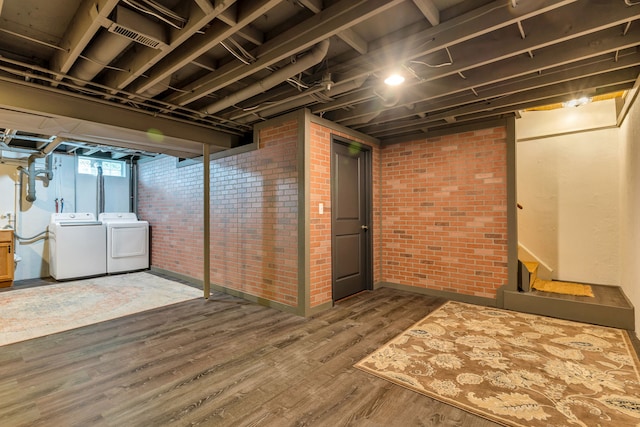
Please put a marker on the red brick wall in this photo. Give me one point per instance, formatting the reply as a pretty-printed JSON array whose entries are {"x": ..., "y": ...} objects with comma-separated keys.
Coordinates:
[
  {"x": 444, "y": 213},
  {"x": 320, "y": 229},
  {"x": 439, "y": 215},
  {"x": 254, "y": 217},
  {"x": 171, "y": 200}
]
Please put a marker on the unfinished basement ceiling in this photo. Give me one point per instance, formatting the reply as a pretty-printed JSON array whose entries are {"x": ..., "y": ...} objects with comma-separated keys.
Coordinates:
[{"x": 168, "y": 75}]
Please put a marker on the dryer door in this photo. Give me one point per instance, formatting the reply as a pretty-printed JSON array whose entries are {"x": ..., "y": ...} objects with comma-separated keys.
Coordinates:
[{"x": 128, "y": 241}]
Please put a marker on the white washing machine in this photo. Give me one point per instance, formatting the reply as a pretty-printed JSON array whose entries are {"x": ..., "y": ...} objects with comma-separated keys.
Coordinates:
[
  {"x": 77, "y": 246},
  {"x": 127, "y": 242}
]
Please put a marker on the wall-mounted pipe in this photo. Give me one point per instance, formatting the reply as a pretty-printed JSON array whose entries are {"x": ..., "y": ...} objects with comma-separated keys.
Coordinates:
[
  {"x": 32, "y": 172},
  {"x": 99, "y": 192},
  {"x": 315, "y": 56}
]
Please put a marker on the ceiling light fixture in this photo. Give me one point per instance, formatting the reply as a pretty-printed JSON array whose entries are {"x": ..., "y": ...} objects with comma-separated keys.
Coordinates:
[
  {"x": 394, "y": 79},
  {"x": 576, "y": 102}
]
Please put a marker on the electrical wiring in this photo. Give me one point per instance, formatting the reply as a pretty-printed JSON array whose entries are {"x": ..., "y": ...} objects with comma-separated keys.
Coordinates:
[
  {"x": 31, "y": 238},
  {"x": 150, "y": 12},
  {"x": 168, "y": 12},
  {"x": 444, "y": 64},
  {"x": 107, "y": 66},
  {"x": 631, "y": 3},
  {"x": 242, "y": 50},
  {"x": 234, "y": 53}
]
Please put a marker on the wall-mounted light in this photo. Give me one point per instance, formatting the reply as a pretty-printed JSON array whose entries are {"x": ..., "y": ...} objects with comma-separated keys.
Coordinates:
[
  {"x": 576, "y": 102},
  {"x": 394, "y": 79}
]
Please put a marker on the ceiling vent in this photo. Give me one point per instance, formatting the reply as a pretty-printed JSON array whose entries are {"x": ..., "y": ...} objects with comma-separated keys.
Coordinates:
[{"x": 135, "y": 27}]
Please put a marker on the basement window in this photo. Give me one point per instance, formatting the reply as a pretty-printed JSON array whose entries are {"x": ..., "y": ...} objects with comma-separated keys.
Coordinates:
[{"x": 89, "y": 166}]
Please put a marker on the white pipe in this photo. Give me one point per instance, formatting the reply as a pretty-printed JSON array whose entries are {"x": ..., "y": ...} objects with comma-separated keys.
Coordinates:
[
  {"x": 32, "y": 172},
  {"x": 314, "y": 57}
]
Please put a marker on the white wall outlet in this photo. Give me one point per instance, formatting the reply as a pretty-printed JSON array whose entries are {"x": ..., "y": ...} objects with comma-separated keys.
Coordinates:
[{"x": 321, "y": 208}]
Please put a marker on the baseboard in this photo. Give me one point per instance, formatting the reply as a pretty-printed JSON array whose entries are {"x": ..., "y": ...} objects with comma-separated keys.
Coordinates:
[
  {"x": 191, "y": 280},
  {"x": 258, "y": 300},
  {"x": 318, "y": 309},
  {"x": 252, "y": 298},
  {"x": 453, "y": 296},
  {"x": 578, "y": 311}
]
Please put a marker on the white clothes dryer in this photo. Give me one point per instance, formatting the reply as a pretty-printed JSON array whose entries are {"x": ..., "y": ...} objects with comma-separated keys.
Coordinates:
[
  {"x": 127, "y": 244},
  {"x": 77, "y": 246}
]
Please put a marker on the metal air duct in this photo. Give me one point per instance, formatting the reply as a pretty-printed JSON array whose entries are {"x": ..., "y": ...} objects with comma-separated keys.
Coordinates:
[
  {"x": 105, "y": 48},
  {"x": 315, "y": 56}
]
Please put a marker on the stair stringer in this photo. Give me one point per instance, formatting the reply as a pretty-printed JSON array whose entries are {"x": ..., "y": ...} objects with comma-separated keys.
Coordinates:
[{"x": 544, "y": 271}]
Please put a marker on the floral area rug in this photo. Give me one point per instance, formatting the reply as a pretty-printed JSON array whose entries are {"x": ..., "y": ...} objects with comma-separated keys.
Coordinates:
[
  {"x": 516, "y": 369},
  {"x": 44, "y": 310}
]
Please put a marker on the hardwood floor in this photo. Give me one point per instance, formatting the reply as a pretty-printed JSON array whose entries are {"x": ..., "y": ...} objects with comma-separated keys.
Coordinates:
[{"x": 222, "y": 362}]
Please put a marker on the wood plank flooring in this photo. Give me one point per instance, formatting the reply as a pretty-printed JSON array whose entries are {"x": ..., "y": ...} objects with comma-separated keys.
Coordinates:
[{"x": 222, "y": 362}]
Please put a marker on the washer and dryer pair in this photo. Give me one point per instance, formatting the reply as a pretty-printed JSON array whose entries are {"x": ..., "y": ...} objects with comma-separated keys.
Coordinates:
[{"x": 80, "y": 246}]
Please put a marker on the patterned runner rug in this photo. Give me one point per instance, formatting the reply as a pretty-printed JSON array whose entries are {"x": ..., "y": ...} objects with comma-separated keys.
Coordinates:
[
  {"x": 44, "y": 310},
  {"x": 516, "y": 369}
]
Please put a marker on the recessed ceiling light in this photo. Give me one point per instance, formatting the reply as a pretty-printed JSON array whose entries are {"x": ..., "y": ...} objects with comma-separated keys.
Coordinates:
[{"x": 394, "y": 79}]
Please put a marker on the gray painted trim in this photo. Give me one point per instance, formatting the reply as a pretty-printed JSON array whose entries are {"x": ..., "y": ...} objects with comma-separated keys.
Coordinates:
[
  {"x": 192, "y": 280},
  {"x": 339, "y": 128},
  {"x": 453, "y": 296},
  {"x": 578, "y": 311},
  {"x": 574, "y": 132},
  {"x": 206, "y": 218},
  {"x": 512, "y": 214},
  {"x": 379, "y": 217},
  {"x": 258, "y": 300},
  {"x": 233, "y": 292},
  {"x": 319, "y": 309},
  {"x": 304, "y": 214}
]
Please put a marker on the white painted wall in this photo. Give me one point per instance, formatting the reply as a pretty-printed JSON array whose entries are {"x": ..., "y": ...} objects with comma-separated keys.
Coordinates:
[
  {"x": 569, "y": 187},
  {"x": 630, "y": 207},
  {"x": 537, "y": 124},
  {"x": 33, "y": 218}
]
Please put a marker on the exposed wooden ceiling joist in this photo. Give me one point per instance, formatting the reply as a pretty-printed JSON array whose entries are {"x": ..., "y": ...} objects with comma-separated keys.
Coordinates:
[
  {"x": 90, "y": 16},
  {"x": 317, "y": 28},
  {"x": 196, "y": 47},
  {"x": 429, "y": 10},
  {"x": 138, "y": 62}
]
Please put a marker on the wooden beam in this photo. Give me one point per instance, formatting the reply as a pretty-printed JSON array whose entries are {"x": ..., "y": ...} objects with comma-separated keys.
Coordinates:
[
  {"x": 247, "y": 32},
  {"x": 141, "y": 60},
  {"x": 108, "y": 123},
  {"x": 329, "y": 22},
  {"x": 348, "y": 36},
  {"x": 534, "y": 96},
  {"x": 486, "y": 53},
  {"x": 90, "y": 16},
  {"x": 585, "y": 49},
  {"x": 429, "y": 10},
  {"x": 195, "y": 47}
]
